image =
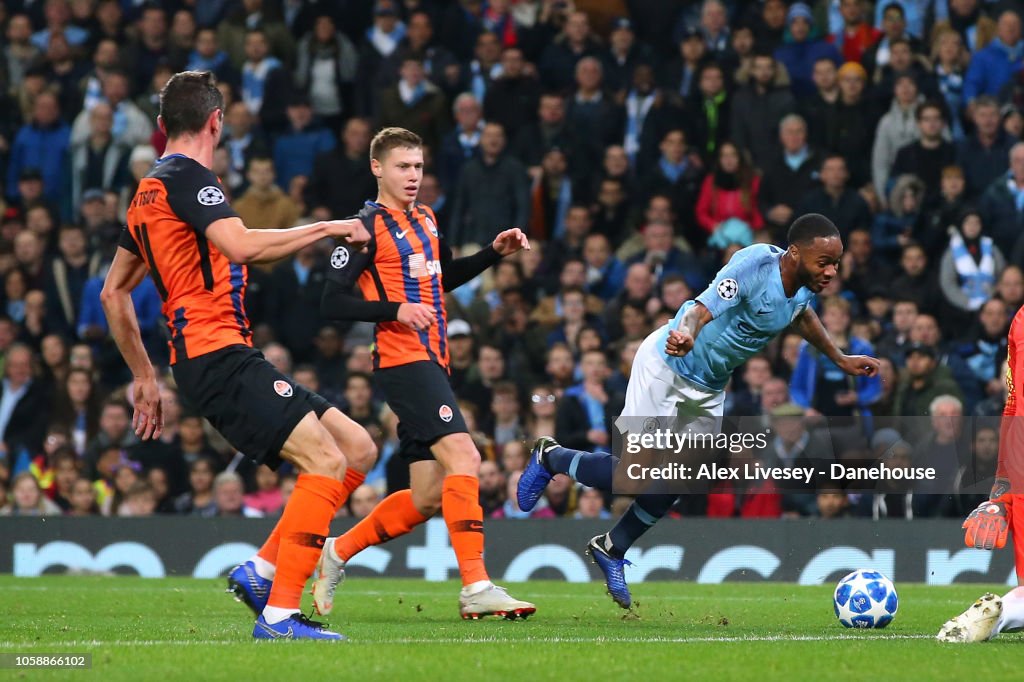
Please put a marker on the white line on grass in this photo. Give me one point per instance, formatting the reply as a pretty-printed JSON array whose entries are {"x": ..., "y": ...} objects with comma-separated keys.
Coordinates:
[
  {"x": 485, "y": 640},
  {"x": 425, "y": 593}
]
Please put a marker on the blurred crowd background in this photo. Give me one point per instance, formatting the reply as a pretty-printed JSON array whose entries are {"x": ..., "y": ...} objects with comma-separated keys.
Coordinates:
[{"x": 638, "y": 142}]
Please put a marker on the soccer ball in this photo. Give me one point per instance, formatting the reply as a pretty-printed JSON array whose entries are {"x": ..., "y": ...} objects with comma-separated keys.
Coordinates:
[{"x": 865, "y": 599}]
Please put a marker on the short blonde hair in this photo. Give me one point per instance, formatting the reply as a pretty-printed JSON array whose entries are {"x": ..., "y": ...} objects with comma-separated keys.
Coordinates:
[{"x": 393, "y": 138}]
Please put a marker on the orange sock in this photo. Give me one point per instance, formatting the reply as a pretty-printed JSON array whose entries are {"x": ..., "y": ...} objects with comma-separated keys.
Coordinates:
[
  {"x": 394, "y": 516},
  {"x": 303, "y": 529},
  {"x": 460, "y": 504},
  {"x": 353, "y": 479},
  {"x": 268, "y": 552}
]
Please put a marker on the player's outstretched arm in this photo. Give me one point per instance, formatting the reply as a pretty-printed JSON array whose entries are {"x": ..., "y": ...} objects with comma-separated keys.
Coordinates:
[
  {"x": 244, "y": 246},
  {"x": 126, "y": 272},
  {"x": 458, "y": 271},
  {"x": 681, "y": 340},
  {"x": 809, "y": 326}
]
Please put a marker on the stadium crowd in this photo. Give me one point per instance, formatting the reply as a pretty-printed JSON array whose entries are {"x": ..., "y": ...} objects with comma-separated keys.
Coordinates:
[{"x": 639, "y": 143}]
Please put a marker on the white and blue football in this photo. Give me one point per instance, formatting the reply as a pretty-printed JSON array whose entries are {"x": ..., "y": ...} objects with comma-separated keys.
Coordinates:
[{"x": 865, "y": 599}]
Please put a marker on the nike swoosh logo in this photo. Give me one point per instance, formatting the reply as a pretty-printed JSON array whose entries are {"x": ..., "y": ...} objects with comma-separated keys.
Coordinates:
[
  {"x": 401, "y": 235},
  {"x": 289, "y": 634}
]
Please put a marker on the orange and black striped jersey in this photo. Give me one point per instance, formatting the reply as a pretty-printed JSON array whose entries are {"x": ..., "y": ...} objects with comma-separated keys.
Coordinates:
[
  {"x": 406, "y": 261},
  {"x": 202, "y": 291}
]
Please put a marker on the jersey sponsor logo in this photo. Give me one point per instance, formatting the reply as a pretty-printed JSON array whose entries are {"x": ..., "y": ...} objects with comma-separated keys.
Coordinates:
[
  {"x": 210, "y": 196},
  {"x": 728, "y": 288},
  {"x": 401, "y": 235},
  {"x": 420, "y": 267},
  {"x": 283, "y": 388},
  {"x": 339, "y": 258},
  {"x": 445, "y": 413}
]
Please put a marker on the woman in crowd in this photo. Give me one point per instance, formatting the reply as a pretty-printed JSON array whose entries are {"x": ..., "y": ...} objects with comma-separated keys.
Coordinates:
[
  {"x": 729, "y": 191},
  {"x": 78, "y": 408},
  {"x": 199, "y": 500},
  {"x": 27, "y": 498},
  {"x": 969, "y": 270}
]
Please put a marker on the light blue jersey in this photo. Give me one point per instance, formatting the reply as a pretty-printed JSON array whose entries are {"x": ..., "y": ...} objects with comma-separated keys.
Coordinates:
[{"x": 750, "y": 308}]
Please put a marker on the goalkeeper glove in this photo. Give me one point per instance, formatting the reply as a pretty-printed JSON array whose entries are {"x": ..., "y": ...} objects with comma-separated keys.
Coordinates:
[{"x": 988, "y": 526}]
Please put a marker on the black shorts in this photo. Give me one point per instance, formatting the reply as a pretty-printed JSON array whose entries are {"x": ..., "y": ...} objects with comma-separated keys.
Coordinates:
[
  {"x": 254, "y": 406},
  {"x": 420, "y": 394}
]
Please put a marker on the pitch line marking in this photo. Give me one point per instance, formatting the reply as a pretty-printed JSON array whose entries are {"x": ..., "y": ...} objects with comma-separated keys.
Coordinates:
[{"x": 481, "y": 640}]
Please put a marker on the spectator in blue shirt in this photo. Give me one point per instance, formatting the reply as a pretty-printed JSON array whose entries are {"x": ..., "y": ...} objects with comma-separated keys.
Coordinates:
[
  {"x": 58, "y": 21},
  {"x": 43, "y": 144},
  {"x": 993, "y": 65},
  {"x": 801, "y": 50},
  {"x": 606, "y": 274},
  {"x": 819, "y": 386},
  {"x": 296, "y": 150},
  {"x": 92, "y": 322}
]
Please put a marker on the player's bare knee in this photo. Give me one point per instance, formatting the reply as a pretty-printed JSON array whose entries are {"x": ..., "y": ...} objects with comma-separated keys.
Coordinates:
[
  {"x": 362, "y": 452},
  {"x": 427, "y": 503},
  {"x": 458, "y": 454},
  {"x": 329, "y": 459}
]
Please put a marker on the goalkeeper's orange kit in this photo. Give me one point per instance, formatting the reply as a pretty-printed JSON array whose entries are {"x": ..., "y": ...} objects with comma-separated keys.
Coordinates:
[{"x": 988, "y": 526}]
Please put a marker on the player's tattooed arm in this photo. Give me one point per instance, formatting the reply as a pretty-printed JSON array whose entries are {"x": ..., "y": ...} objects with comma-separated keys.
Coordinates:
[
  {"x": 681, "y": 340},
  {"x": 809, "y": 326}
]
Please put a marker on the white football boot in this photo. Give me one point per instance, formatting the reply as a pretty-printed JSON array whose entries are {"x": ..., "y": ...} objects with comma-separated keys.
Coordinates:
[
  {"x": 330, "y": 573},
  {"x": 493, "y": 601},
  {"x": 976, "y": 624}
]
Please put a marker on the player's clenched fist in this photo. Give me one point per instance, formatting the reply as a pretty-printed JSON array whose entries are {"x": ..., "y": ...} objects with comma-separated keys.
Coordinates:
[
  {"x": 680, "y": 342},
  {"x": 416, "y": 316},
  {"x": 352, "y": 231},
  {"x": 987, "y": 526}
]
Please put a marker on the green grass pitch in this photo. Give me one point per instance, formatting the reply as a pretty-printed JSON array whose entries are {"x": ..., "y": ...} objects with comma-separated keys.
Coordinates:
[{"x": 180, "y": 628}]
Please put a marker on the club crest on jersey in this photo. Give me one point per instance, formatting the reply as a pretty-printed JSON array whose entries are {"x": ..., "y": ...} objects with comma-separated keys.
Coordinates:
[
  {"x": 445, "y": 413},
  {"x": 430, "y": 225},
  {"x": 210, "y": 196},
  {"x": 728, "y": 288},
  {"x": 283, "y": 388},
  {"x": 339, "y": 258}
]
